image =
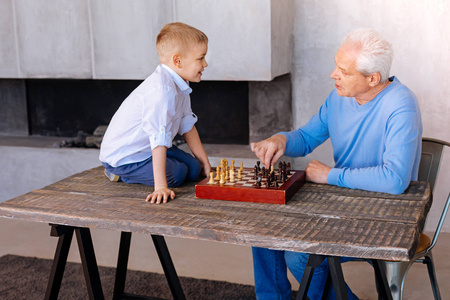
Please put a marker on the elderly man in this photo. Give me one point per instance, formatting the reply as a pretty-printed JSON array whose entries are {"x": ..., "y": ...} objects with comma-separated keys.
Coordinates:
[{"x": 375, "y": 128}]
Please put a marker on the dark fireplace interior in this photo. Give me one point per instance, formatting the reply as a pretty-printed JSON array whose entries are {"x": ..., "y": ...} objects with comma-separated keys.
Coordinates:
[{"x": 63, "y": 107}]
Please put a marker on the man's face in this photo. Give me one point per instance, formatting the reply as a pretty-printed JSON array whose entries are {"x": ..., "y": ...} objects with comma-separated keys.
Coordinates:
[
  {"x": 347, "y": 80},
  {"x": 193, "y": 63}
]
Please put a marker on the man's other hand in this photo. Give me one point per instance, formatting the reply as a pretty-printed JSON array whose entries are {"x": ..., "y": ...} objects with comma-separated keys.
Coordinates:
[{"x": 317, "y": 172}]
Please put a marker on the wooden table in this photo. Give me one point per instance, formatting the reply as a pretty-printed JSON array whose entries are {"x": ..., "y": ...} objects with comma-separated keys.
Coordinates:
[{"x": 323, "y": 220}]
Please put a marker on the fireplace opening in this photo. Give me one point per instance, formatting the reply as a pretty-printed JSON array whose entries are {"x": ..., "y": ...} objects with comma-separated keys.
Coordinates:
[{"x": 64, "y": 107}]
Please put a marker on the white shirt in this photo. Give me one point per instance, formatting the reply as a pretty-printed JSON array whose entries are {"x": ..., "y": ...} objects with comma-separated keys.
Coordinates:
[{"x": 152, "y": 115}]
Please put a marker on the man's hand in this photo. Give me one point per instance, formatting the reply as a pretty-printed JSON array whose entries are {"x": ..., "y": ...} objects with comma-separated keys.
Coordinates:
[
  {"x": 162, "y": 193},
  {"x": 270, "y": 150},
  {"x": 317, "y": 172}
]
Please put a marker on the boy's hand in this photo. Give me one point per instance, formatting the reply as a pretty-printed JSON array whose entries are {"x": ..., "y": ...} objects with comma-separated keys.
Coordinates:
[
  {"x": 162, "y": 193},
  {"x": 206, "y": 169}
]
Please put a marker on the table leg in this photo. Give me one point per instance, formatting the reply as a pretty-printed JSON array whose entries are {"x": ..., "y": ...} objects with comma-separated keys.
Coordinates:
[
  {"x": 168, "y": 267},
  {"x": 336, "y": 274},
  {"x": 337, "y": 277},
  {"x": 313, "y": 262},
  {"x": 89, "y": 263},
  {"x": 382, "y": 285},
  {"x": 65, "y": 234},
  {"x": 166, "y": 263},
  {"x": 122, "y": 265}
]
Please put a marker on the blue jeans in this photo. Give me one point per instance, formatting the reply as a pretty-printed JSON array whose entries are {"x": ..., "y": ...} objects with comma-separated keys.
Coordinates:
[
  {"x": 180, "y": 167},
  {"x": 271, "y": 282}
]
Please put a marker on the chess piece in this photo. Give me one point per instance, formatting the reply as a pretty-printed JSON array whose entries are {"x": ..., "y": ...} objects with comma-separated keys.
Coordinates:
[
  {"x": 231, "y": 176},
  {"x": 242, "y": 166},
  {"x": 217, "y": 173},
  {"x": 222, "y": 178},
  {"x": 239, "y": 175},
  {"x": 211, "y": 178},
  {"x": 258, "y": 181}
]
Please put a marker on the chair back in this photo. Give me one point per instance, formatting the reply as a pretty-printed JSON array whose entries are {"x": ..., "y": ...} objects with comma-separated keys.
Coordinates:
[
  {"x": 432, "y": 150},
  {"x": 430, "y": 160}
]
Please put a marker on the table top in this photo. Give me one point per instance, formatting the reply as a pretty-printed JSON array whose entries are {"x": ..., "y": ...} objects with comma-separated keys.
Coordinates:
[{"x": 320, "y": 219}]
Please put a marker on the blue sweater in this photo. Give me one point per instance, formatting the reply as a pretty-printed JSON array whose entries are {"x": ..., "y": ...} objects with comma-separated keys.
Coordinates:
[{"x": 376, "y": 146}]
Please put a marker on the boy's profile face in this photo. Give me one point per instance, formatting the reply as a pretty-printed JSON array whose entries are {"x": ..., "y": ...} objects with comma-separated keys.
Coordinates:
[{"x": 192, "y": 63}]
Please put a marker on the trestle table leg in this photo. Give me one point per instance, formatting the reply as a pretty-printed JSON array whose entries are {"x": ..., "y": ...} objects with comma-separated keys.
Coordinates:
[
  {"x": 168, "y": 267},
  {"x": 89, "y": 263},
  {"x": 122, "y": 265},
  {"x": 337, "y": 277},
  {"x": 65, "y": 234},
  {"x": 313, "y": 262}
]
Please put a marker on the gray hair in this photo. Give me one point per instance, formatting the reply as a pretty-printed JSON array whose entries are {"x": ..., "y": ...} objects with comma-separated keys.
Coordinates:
[{"x": 375, "y": 53}]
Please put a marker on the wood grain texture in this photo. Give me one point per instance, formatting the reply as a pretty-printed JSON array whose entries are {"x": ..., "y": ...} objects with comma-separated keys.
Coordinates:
[{"x": 319, "y": 219}]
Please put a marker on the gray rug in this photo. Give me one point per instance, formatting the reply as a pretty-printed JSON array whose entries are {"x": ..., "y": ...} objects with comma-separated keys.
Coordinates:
[{"x": 26, "y": 278}]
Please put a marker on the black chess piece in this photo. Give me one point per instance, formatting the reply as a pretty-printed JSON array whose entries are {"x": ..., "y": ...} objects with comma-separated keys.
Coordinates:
[{"x": 258, "y": 181}]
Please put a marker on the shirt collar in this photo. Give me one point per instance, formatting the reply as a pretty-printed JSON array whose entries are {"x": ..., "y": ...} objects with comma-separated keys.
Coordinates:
[{"x": 180, "y": 82}]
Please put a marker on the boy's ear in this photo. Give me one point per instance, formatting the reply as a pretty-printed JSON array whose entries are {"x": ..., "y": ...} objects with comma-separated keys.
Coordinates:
[{"x": 176, "y": 60}]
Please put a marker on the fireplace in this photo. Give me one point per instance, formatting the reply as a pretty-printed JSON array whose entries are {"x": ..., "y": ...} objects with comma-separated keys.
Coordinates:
[{"x": 229, "y": 112}]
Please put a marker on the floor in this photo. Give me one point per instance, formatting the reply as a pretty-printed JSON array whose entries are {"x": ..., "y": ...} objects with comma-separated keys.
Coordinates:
[{"x": 199, "y": 259}]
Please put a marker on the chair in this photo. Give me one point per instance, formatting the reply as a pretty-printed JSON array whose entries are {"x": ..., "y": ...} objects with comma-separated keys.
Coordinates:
[{"x": 432, "y": 150}]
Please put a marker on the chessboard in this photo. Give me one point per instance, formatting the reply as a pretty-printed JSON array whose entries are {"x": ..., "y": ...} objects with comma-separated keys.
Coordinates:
[{"x": 256, "y": 184}]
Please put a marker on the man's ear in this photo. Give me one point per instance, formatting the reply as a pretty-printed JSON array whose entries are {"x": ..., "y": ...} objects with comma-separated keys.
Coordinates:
[
  {"x": 176, "y": 60},
  {"x": 374, "y": 79}
]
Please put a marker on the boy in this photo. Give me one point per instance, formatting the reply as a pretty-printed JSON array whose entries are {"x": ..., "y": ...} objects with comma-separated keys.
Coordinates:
[{"x": 137, "y": 146}]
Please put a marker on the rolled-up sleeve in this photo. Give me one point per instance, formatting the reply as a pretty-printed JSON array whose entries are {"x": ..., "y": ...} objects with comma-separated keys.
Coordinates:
[
  {"x": 187, "y": 122},
  {"x": 189, "y": 118},
  {"x": 162, "y": 138},
  {"x": 157, "y": 117}
]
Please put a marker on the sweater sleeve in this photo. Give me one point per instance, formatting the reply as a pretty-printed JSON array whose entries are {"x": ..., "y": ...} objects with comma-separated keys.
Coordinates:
[
  {"x": 304, "y": 140},
  {"x": 402, "y": 141}
]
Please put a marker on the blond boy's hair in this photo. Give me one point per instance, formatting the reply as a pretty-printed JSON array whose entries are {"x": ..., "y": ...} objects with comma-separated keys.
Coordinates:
[{"x": 178, "y": 38}]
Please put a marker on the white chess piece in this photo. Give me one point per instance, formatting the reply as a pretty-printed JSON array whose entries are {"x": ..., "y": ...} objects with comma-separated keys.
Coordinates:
[{"x": 211, "y": 178}]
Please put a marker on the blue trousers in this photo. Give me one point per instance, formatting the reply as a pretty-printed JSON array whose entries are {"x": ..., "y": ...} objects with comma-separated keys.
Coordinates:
[
  {"x": 271, "y": 282},
  {"x": 180, "y": 167}
]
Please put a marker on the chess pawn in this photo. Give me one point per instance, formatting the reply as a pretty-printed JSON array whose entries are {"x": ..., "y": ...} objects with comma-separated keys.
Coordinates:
[
  {"x": 242, "y": 166},
  {"x": 239, "y": 175},
  {"x": 226, "y": 175},
  {"x": 217, "y": 173},
  {"x": 211, "y": 178},
  {"x": 222, "y": 180},
  {"x": 232, "y": 177}
]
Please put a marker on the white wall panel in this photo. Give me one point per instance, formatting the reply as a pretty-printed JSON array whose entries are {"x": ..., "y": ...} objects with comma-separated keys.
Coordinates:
[
  {"x": 8, "y": 51},
  {"x": 124, "y": 36},
  {"x": 53, "y": 38}
]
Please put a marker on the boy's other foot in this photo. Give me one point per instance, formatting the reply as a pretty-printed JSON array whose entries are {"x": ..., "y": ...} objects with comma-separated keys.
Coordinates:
[{"x": 111, "y": 176}]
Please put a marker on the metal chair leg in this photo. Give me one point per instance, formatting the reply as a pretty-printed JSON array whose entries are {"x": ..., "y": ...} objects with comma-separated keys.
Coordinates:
[
  {"x": 396, "y": 274},
  {"x": 432, "y": 274}
]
